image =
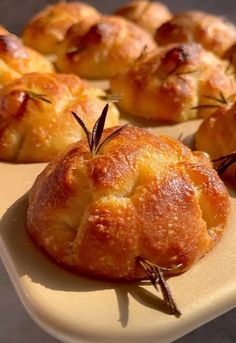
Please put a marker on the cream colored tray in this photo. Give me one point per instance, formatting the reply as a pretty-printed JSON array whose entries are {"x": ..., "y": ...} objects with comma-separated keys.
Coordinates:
[{"x": 77, "y": 309}]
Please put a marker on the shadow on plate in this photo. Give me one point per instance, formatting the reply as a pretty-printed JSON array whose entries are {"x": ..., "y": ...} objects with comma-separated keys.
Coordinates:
[{"x": 30, "y": 261}]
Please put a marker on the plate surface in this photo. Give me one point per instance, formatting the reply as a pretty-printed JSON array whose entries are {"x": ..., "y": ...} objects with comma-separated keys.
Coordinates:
[{"x": 78, "y": 309}]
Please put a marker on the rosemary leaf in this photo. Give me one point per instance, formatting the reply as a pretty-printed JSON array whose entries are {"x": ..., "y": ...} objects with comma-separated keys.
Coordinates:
[
  {"x": 110, "y": 137},
  {"x": 155, "y": 274},
  {"x": 83, "y": 126},
  {"x": 98, "y": 129},
  {"x": 111, "y": 97},
  {"x": 226, "y": 162},
  {"x": 204, "y": 107}
]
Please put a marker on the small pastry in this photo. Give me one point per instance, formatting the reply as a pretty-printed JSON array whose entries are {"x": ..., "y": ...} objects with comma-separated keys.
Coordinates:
[
  {"x": 103, "y": 49},
  {"x": 17, "y": 59},
  {"x": 48, "y": 28},
  {"x": 216, "y": 136},
  {"x": 102, "y": 209},
  {"x": 175, "y": 83},
  {"x": 35, "y": 115},
  {"x": 214, "y": 33},
  {"x": 147, "y": 14}
]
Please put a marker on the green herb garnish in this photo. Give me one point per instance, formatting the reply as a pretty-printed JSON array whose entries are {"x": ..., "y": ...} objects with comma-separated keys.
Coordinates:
[
  {"x": 225, "y": 162},
  {"x": 221, "y": 100},
  {"x": 94, "y": 137},
  {"x": 155, "y": 275},
  {"x": 36, "y": 96}
]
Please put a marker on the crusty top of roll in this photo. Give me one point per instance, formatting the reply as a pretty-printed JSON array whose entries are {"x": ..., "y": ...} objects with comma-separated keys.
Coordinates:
[
  {"x": 214, "y": 33},
  {"x": 102, "y": 49},
  {"x": 47, "y": 28},
  {"x": 17, "y": 59},
  {"x": 35, "y": 115},
  {"x": 175, "y": 83},
  {"x": 148, "y": 14},
  {"x": 140, "y": 196}
]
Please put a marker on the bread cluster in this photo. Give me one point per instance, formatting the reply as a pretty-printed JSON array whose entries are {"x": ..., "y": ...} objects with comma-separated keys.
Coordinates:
[
  {"x": 103, "y": 49},
  {"x": 214, "y": 33},
  {"x": 147, "y": 14},
  {"x": 141, "y": 196},
  {"x": 16, "y": 59},
  {"x": 175, "y": 83},
  {"x": 98, "y": 211},
  {"x": 48, "y": 28},
  {"x": 36, "y": 122}
]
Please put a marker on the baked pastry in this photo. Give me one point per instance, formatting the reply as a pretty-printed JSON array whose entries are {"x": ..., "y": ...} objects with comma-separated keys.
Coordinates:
[
  {"x": 17, "y": 59},
  {"x": 175, "y": 83},
  {"x": 148, "y": 14},
  {"x": 101, "y": 50},
  {"x": 48, "y": 28},
  {"x": 214, "y": 33},
  {"x": 139, "y": 197},
  {"x": 216, "y": 134},
  {"x": 35, "y": 115}
]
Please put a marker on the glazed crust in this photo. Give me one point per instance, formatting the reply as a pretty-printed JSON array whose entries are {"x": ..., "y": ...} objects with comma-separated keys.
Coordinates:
[
  {"x": 17, "y": 59},
  {"x": 216, "y": 135},
  {"x": 34, "y": 130},
  {"x": 214, "y": 33},
  {"x": 168, "y": 84},
  {"x": 147, "y": 14},
  {"x": 103, "y": 49},
  {"x": 141, "y": 195},
  {"x": 48, "y": 27}
]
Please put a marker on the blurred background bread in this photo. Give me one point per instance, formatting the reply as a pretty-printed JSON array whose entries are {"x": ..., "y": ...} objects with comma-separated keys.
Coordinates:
[
  {"x": 16, "y": 59},
  {"x": 213, "y": 33},
  {"x": 36, "y": 122},
  {"x": 175, "y": 83},
  {"x": 103, "y": 49},
  {"x": 147, "y": 14},
  {"x": 48, "y": 28}
]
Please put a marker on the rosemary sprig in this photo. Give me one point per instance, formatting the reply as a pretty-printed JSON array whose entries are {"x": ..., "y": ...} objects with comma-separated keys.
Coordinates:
[
  {"x": 112, "y": 97},
  {"x": 222, "y": 100},
  {"x": 94, "y": 137},
  {"x": 230, "y": 66},
  {"x": 36, "y": 96},
  {"x": 225, "y": 162},
  {"x": 155, "y": 274}
]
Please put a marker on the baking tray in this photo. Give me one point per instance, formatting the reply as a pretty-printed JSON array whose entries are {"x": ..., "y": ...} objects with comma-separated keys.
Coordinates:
[{"x": 78, "y": 309}]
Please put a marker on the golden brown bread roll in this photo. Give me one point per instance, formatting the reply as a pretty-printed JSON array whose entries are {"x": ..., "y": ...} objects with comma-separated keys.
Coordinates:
[
  {"x": 176, "y": 83},
  {"x": 35, "y": 115},
  {"x": 103, "y": 49},
  {"x": 216, "y": 135},
  {"x": 17, "y": 60},
  {"x": 148, "y": 14},
  {"x": 214, "y": 33},
  {"x": 140, "y": 196},
  {"x": 48, "y": 28}
]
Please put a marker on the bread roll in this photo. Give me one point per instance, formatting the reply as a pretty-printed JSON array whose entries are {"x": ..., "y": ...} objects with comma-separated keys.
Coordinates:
[
  {"x": 48, "y": 28},
  {"x": 214, "y": 33},
  {"x": 17, "y": 59},
  {"x": 147, "y": 14},
  {"x": 101, "y": 50},
  {"x": 36, "y": 122},
  {"x": 175, "y": 83},
  {"x": 140, "y": 196}
]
